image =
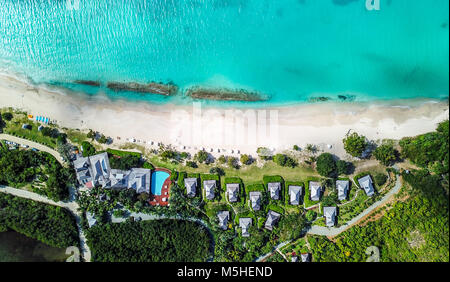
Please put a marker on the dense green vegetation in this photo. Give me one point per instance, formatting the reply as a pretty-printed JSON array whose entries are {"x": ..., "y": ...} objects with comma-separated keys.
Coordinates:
[
  {"x": 430, "y": 150},
  {"x": 47, "y": 176},
  {"x": 416, "y": 229},
  {"x": 149, "y": 241},
  {"x": 386, "y": 154},
  {"x": 51, "y": 225}
]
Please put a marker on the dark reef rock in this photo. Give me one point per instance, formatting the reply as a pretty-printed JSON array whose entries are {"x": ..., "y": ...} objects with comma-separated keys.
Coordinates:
[
  {"x": 224, "y": 94},
  {"x": 347, "y": 98},
  {"x": 153, "y": 87},
  {"x": 88, "y": 82},
  {"x": 318, "y": 99}
]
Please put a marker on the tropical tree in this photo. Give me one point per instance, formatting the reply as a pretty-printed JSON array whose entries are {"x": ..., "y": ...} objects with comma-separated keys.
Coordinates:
[
  {"x": 386, "y": 154},
  {"x": 355, "y": 144},
  {"x": 326, "y": 165}
]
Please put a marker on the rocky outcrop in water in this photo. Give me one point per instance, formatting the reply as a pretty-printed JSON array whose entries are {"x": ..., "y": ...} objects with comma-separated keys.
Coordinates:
[
  {"x": 88, "y": 82},
  {"x": 153, "y": 87},
  {"x": 224, "y": 94}
]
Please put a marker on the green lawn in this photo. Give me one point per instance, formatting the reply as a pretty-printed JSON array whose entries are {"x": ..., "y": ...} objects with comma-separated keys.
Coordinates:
[{"x": 14, "y": 127}]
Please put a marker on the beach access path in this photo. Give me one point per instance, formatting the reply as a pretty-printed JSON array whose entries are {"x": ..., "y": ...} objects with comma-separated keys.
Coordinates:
[{"x": 31, "y": 144}]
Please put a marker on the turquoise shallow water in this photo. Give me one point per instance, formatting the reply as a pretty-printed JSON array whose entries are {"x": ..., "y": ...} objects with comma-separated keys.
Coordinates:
[{"x": 288, "y": 49}]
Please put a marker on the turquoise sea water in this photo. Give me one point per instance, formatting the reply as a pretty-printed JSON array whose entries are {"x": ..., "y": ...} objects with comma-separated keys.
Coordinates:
[
  {"x": 158, "y": 178},
  {"x": 288, "y": 49}
]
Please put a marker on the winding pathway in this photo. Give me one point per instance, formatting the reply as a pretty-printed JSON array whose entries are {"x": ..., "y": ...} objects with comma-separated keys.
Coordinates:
[{"x": 32, "y": 144}]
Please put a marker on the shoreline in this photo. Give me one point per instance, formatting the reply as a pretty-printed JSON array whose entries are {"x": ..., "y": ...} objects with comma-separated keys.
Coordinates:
[{"x": 322, "y": 124}]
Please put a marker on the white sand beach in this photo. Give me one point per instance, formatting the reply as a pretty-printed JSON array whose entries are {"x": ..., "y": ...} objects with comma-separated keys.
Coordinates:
[{"x": 196, "y": 128}]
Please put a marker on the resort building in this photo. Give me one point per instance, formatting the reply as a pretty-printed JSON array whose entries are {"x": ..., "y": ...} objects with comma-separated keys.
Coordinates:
[
  {"x": 294, "y": 195},
  {"x": 306, "y": 257},
  {"x": 136, "y": 178},
  {"x": 274, "y": 190},
  {"x": 224, "y": 217},
  {"x": 91, "y": 219},
  {"x": 245, "y": 224},
  {"x": 330, "y": 215},
  {"x": 191, "y": 186},
  {"x": 315, "y": 191},
  {"x": 255, "y": 200},
  {"x": 367, "y": 185},
  {"x": 139, "y": 180},
  {"x": 272, "y": 219},
  {"x": 233, "y": 192},
  {"x": 210, "y": 187},
  {"x": 95, "y": 171},
  {"x": 342, "y": 187}
]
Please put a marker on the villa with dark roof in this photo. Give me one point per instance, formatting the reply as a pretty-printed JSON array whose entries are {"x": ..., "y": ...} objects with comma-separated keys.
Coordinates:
[
  {"x": 244, "y": 224},
  {"x": 210, "y": 187},
  {"x": 223, "y": 217},
  {"x": 342, "y": 187},
  {"x": 95, "y": 171},
  {"x": 255, "y": 200},
  {"x": 272, "y": 219},
  {"x": 306, "y": 257},
  {"x": 367, "y": 185},
  {"x": 315, "y": 190},
  {"x": 191, "y": 186},
  {"x": 233, "y": 192},
  {"x": 294, "y": 195},
  {"x": 330, "y": 216},
  {"x": 274, "y": 189}
]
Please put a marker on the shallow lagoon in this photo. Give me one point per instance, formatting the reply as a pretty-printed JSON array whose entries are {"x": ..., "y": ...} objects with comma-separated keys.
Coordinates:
[{"x": 15, "y": 247}]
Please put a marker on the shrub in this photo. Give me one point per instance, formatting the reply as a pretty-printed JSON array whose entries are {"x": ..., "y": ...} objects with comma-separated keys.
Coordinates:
[
  {"x": 148, "y": 165},
  {"x": 191, "y": 164},
  {"x": 330, "y": 200},
  {"x": 355, "y": 144},
  {"x": 246, "y": 160},
  {"x": 342, "y": 167},
  {"x": 217, "y": 170},
  {"x": 380, "y": 178},
  {"x": 222, "y": 159},
  {"x": 284, "y": 160},
  {"x": 7, "y": 116},
  {"x": 233, "y": 162},
  {"x": 386, "y": 154},
  {"x": 326, "y": 165},
  {"x": 311, "y": 215},
  {"x": 201, "y": 156},
  {"x": 88, "y": 149},
  {"x": 264, "y": 153}
]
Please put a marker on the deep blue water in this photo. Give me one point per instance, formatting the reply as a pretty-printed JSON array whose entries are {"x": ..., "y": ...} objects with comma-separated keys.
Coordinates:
[{"x": 288, "y": 49}]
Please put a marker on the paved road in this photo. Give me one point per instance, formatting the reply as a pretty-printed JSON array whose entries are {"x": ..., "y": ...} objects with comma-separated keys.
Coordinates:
[
  {"x": 71, "y": 205},
  {"x": 32, "y": 144}
]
